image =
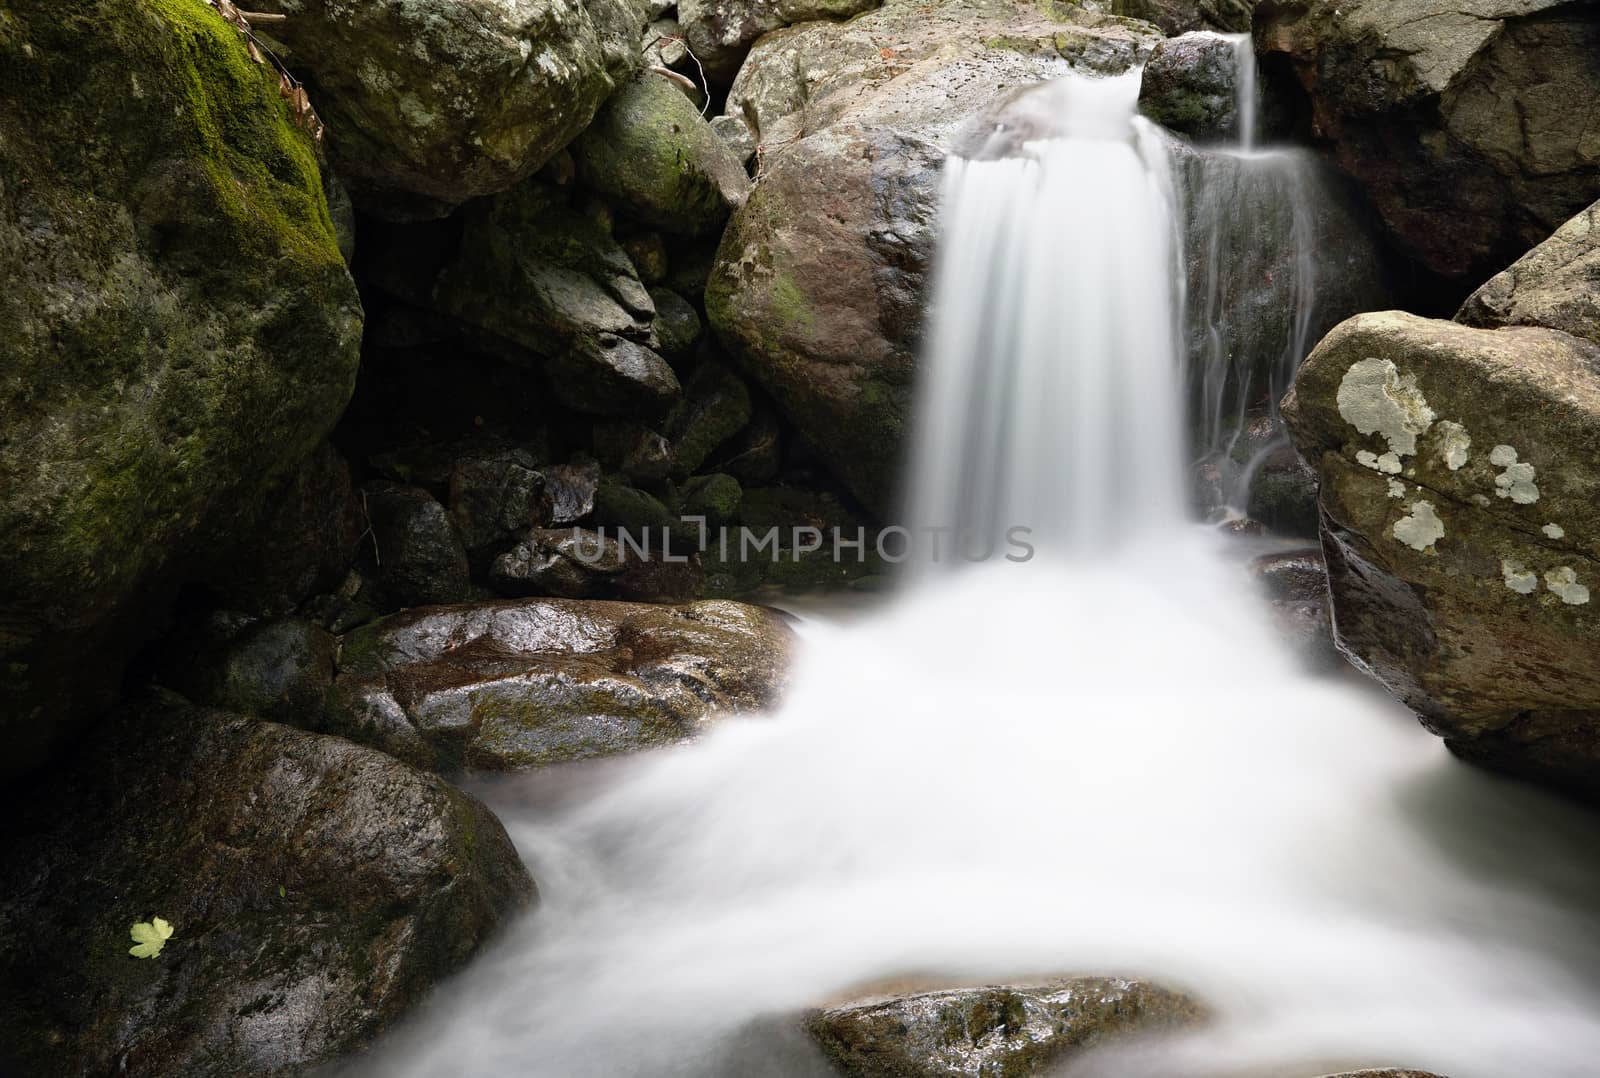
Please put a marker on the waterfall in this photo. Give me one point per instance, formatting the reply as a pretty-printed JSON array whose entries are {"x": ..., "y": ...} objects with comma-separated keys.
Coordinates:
[
  {"x": 1085, "y": 764},
  {"x": 1244, "y": 52},
  {"x": 1051, "y": 400}
]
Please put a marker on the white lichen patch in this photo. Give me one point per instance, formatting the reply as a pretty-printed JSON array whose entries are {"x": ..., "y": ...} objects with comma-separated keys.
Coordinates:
[
  {"x": 1421, "y": 529},
  {"x": 1554, "y": 531},
  {"x": 1516, "y": 481},
  {"x": 1375, "y": 399},
  {"x": 1518, "y": 579},
  {"x": 1388, "y": 464},
  {"x": 1397, "y": 489},
  {"x": 1563, "y": 582},
  {"x": 1454, "y": 443}
]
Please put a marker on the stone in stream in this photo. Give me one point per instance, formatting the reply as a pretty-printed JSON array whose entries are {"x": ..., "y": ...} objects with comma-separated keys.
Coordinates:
[
  {"x": 1295, "y": 583},
  {"x": 316, "y": 891},
  {"x": 1461, "y": 528},
  {"x": 1191, "y": 86},
  {"x": 1457, "y": 120},
  {"x": 179, "y": 327},
  {"x": 1001, "y": 1031},
  {"x": 431, "y": 103},
  {"x": 518, "y": 684}
]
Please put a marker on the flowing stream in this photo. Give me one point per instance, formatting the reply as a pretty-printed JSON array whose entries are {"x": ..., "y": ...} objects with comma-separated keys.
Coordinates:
[{"x": 1101, "y": 761}]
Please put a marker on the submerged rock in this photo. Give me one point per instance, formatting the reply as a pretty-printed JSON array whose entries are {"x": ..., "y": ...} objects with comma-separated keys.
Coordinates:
[
  {"x": 1461, "y": 529},
  {"x": 509, "y": 685},
  {"x": 1456, "y": 119},
  {"x": 316, "y": 890},
  {"x": 433, "y": 102},
  {"x": 1006, "y": 1031},
  {"x": 819, "y": 282},
  {"x": 653, "y": 154},
  {"x": 179, "y": 329}
]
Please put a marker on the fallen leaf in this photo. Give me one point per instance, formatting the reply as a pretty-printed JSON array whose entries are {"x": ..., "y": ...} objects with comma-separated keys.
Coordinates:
[{"x": 149, "y": 937}]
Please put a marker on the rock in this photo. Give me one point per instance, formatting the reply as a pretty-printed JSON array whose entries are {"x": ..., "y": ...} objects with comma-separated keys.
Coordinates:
[
  {"x": 677, "y": 322},
  {"x": 1182, "y": 16},
  {"x": 1295, "y": 582},
  {"x": 1384, "y": 1073},
  {"x": 316, "y": 891},
  {"x": 1292, "y": 576},
  {"x": 736, "y": 133},
  {"x": 640, "y": 454},
  {"x": 648, "y": 253},
  {"x": 755, "y": 454},
  {"x": 1456, "y": 119},
  {"x": 714, "y": 497},
  {"x": 548, "y": 281},
  {"x": 279, "y": 669},
  {"x": 572, "y": 488},
  {"x": 434, "y": 102},
  {"x": 510, "y": 685},
  {"x": 574, "y": 563},
  {"x": 664, "y": 45},
  {"x": 1191, "y": 86},
  {"x": 715, "y": 407},
  {"x": 180, "y": 331},
  {"x": 1461, "y": 530},
  {"x": 1004, "y": 1031},
  {"x": 1556, "y": 285},
  {"x": 819, "y": 282},
  {"x": 653, "y": 154},
  {"x": 1283, "y": 493},
  {"x": 418, "y": 556},
  {"x": 495, "y": 497},
  {"x": 720, "y": 32},
  {"x": 303, "y": 543}
]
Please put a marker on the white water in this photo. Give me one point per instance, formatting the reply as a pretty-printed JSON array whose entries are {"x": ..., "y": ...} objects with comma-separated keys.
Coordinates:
[{"x": 1079, "y": 765}]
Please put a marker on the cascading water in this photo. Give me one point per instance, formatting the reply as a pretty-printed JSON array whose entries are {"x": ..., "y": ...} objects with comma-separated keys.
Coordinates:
[{"x": 1077, "y": 765}]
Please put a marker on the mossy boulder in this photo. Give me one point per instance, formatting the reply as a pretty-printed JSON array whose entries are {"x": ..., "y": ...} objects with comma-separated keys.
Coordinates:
[
  {"x": 179, "y": 328},
  {"x": 651, "y": 153},
  {"x": 519, "y": 684},
  {"x": 818, "y": 288},
  {"x": 1461, "y": 528},
  {"x": 430, "y": 103},
  {"x": 316, "y": 891}
]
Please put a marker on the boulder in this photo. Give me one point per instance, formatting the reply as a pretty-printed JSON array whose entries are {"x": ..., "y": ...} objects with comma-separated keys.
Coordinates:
[
  {"x": 415, "y": 551},
  {"x": 1556, "y": 285},
  {"x": 1191, "y": 85},
  {"x": 431, "y": 103},
  {"x": 715, "y": 407},
  {"x": 720, "y": 32},
  {"x": 546, "y": 282},
  {"x": 316, "y": 890},
  {"x": 1177, "y": 17},
  {"x": 574, "y": 563},
  {"x": 818, "y": 286},
  {"x": 653, "y": 155},
  {"x": 180, "y": 330},
  {"x": 1003, "y": 1031},
  {"x": 1461, "y": 529},
  {"x": 510, "y": 685},
  {"x": 1456, "y": 119},
  {"x": 277, "y": 669}
]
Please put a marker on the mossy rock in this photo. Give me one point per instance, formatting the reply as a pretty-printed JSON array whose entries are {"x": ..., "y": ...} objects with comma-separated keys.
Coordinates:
[{"x": 179, "y": 325}]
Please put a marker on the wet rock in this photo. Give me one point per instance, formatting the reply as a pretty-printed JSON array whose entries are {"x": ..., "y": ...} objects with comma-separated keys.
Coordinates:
[
  {"x": 1456, "y": 120},
  {"x": 638, "y": 453},
  {"x": 1292, "y": 576},
  {"x": 1556, "y": 285},
  {"x": 1182, "y": 16},
  {"x": 820, "y": 279},
  {"x": 755, "y": 454},
  {"x": 714, "y": 497},
  {"x": 1461, "y": 531},
  {"x": 571, "y": 488},
  {"x": 653, "y": 154},
  {"x": 547, "y": 280},
  {"x": 303, "y": 543},
  {"x": 510, "y": 685},
  {"x": 1191, "y": 86},
  {"x": 677, "y": 322},
  {"x": 1283, "y": 493},
  {"x": 715, "y": 407},
  {"x": 432, "y": 103},
  {"x": 180, "y": 331},
  {"x": 316, "y": 891},
  {"x": 279, "y": 669},
  {"x": 1295, "y": 583},
  {"x": 648, "y": 253},
  {"x": 720, "y": 32},
  {"x": 1005, "y": 1031},
  {"x": 496, "y": 497},
  {"x": 418, "y": 556}
]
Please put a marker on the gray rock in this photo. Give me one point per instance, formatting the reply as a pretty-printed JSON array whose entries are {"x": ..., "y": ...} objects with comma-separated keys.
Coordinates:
[
  {"x": 1456, "y": 119},
  {"x": 677, "y": 322},
  {"x": 1557, "y": 284},
  {"x": 433, "y": 102},
  {"x": 1191, "y": 86},
  {"x": 1004, "y": 1031},
  {"x": 180, "y": 332},
  {"x": 316, "y": 891},
  {"x": 736, "y": 133},
  {"x": 418, "y": 557},
  {"x": 720, "y": 32},
  {"x": 715, "y": 407},
  {"x": 571, "y": 488},
  {"x": 512, "y": 685},
  {"x": 573, "y": 563},
  {"x": 653, "y": 154},
  {"x": 494, "y": 497},
  {"x": 279, "y": 670}
]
